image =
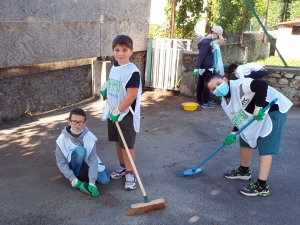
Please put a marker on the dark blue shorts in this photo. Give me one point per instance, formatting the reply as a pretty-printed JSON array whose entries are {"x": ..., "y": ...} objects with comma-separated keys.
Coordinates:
[
  {"x": 270, "y": 145},
  {"x": 127, "y": 129}
]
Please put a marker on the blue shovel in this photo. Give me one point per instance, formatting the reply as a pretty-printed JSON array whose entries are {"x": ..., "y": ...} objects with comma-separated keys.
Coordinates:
[{"x": 197, "y": 169}]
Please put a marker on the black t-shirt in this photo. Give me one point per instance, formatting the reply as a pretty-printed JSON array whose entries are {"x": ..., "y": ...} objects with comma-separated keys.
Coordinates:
[{"x": 134, "y": 82}]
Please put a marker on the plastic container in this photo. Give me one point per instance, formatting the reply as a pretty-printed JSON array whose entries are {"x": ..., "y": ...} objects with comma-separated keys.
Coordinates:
[{"x": 190, "y": 106}]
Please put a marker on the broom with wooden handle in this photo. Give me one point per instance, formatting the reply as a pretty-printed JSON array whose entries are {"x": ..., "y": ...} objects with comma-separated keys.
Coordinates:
[{"x": 147, "y": 205}]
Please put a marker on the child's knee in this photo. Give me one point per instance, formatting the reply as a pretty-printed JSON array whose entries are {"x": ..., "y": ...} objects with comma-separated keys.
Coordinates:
[
  {"x": 103, "y": 177},
  {"x": 80, "y": 152}
]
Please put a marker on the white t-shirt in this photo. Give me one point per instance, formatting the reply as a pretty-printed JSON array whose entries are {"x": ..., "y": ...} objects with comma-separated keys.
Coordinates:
[{"x": 245, "y": 70}]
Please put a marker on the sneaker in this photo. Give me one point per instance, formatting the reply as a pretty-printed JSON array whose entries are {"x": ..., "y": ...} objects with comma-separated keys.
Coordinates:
[
  {"x": 118, "y": 173},
  {"x": 130, "y": 183},
  {"x": 254, "y": 189},
  {"x": 208, "y": 105},
  {"x": 237, "y": 173},
  {"x": 215, "y": 100}
]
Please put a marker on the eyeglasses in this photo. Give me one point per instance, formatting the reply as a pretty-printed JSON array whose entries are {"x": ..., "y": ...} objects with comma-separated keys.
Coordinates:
[{"x": 74, "y": 122}]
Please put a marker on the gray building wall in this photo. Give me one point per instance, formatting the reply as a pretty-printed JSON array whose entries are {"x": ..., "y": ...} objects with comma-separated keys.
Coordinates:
[
  {"x": 37, "y": 31},
  {"x": 49, "y": 49}
]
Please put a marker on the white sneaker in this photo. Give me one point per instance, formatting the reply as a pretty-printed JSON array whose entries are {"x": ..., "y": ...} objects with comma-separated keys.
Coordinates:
[
  {"x": 118, "y": 173},
  {"x": 130, "y": 183}
]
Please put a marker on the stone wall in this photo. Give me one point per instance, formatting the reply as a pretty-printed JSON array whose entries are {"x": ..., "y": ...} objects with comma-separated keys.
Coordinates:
[
  {"x": 285, "y": 80},
  {"x": 47, "y": 86}
]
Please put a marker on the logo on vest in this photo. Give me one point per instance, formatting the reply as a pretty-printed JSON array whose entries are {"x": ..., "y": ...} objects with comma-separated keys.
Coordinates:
[
  {"x": 113, "y": 85},
  {"x": 239, "y": 118},
  {"x": 245, "y": 102}
]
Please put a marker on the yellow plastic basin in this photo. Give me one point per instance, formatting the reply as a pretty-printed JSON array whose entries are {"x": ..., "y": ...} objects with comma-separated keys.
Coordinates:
[{"x": 190, "y": 106}]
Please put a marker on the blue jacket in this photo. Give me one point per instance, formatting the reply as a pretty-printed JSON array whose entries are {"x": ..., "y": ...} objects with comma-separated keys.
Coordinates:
[{"x": 205, "y": 58}]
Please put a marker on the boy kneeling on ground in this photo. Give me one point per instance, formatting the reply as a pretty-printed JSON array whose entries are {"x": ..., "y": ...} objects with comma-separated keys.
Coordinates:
[{"x": 76, "y": 152}]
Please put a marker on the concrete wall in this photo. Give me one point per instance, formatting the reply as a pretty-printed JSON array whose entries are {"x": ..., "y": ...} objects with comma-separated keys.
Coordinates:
[{"x": 37, "y": 31}]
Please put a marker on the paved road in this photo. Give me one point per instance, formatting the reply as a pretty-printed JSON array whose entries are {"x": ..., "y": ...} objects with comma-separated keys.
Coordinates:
[{"x": 33, "y": 191}]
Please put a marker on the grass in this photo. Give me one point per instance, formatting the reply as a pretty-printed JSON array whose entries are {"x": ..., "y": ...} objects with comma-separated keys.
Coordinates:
[
  {"x": 6, "y": 118},
  {"x": 276, "y": 61}
]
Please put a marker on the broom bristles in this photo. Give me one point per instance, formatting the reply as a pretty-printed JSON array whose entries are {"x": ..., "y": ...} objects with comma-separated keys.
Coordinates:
[{"x": 144, "y": 209}]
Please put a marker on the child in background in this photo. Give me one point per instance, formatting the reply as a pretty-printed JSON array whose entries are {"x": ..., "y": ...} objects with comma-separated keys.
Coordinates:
[
  {"x": 218, "y": 61},
  {"x": 242, "y": 100},
  {"x": 249, "y": 70},
  {"x": 218, "y": 65},
  {"x": 205, "y": 65},
  {"x": 76, "y": 152},
  {"x": 123, "y": 91}
]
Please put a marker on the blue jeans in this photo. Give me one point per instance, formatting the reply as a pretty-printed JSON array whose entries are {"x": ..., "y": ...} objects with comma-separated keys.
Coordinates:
[{"x": 77, "y": 164}]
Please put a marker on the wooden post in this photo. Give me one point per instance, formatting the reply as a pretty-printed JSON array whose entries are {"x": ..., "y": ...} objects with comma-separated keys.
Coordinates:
[
  {"x": 173, "y": 15},
  {"x": 243, "y": 24},
  {"x": 266, "y": 20}
]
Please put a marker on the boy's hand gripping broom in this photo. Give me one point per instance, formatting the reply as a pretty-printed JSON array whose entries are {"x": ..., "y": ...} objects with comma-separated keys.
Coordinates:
[{"x": 147, "y": 205}]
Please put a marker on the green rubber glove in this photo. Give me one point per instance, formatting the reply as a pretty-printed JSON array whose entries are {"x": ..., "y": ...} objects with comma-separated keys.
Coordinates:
[
  {"x": 114, "y": 115},
  {"x": 229, "y": 139},
  {"x": 76, "y": 183},
  {"x": 258, "y": 113},
  {"x": 93, "y": 189},
  {"x": 195, "y": 73},
  {"x": 103, "y": 90}
]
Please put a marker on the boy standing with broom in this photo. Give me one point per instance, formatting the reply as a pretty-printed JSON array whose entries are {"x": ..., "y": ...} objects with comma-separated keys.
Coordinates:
[
  {"x": 122, "y": 112},
  {"x": 243, "y": 100},
  {"x": 123, "y": 91}
]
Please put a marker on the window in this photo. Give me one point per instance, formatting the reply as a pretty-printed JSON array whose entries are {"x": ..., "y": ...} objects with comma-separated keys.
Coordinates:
[{"x": 296, "y": 30}]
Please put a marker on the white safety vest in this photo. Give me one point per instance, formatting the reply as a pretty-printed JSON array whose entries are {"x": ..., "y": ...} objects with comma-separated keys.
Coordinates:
[
  {"x": 67, "y": 146},
  {"x": 116, "y": 93},
  {"x": 241, "y": 95}
]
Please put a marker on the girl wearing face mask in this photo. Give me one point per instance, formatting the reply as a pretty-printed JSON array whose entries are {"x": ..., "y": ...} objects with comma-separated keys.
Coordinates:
[{"x": 242, "y": 100}]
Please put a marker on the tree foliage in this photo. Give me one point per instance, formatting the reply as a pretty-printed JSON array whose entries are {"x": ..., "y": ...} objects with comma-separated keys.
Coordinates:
[
  {"x": 232, "y": 17},
  {"x": 188, "y": 13},
  {"x": 294, "y": 9}
]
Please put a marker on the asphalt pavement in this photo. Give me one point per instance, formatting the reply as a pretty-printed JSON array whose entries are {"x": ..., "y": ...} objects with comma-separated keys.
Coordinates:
[{"x": 33, "y": 191}]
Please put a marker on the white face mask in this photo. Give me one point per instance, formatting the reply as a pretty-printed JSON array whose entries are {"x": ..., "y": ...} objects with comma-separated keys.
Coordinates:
[{"x": 222, "y": 90}]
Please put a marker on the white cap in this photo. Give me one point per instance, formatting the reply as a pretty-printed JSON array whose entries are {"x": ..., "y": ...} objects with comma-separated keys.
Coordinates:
[{"x": 219, "y": 31}]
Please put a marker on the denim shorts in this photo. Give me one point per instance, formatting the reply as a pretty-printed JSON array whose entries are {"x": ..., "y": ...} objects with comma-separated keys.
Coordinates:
[
  {"x": 127, "y": 129},
  {"x": 270, "y": 145}
]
